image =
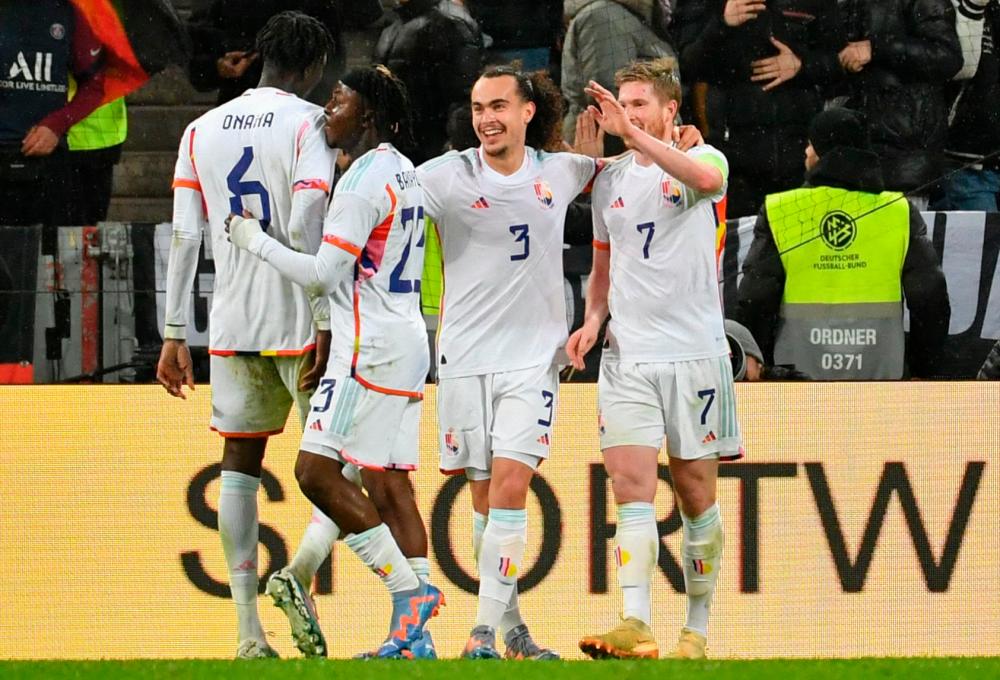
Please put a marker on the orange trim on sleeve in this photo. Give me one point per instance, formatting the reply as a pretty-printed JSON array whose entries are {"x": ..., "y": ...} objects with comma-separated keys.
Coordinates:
[
  {"x": 342, "y": 244},
  {"x": 182, "y": 183},
  {"x": 304, "y": 184},
  {"x": 601, "y": 245}
]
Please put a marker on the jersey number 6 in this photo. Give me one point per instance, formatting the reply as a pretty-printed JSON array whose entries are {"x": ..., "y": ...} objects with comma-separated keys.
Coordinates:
[{"x": 238, "y": 188}]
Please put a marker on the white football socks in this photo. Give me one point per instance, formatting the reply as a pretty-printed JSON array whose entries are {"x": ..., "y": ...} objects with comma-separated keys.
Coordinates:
[
  {"x": 512, "y": 615},
  {"x": 378, "y": 550},
  {"x": 701, "y": 551},
  {"x": 420, "y": 566},
  {"x": 238, "y": 529},
  {"x": 500, "y": 558},
  {"x": 317, "y": 541},
  {"x": 637, "y": 547}
]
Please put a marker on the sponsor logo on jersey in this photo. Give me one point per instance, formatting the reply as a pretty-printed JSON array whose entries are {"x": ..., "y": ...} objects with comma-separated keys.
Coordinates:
[
  {"x": 450, "y": 441},
  {"x": 247, "y": 565},
  {"x": 710, "y": 437},
  {"x": 383, "y": 571},
  {"x": 316, "y": 425},
  {"x": 480, "y": 203},
  {"x": 544, "y": 439},
  {"x": 622, "y": 557},
  {"x": 701, "y": 567},
  {"x": 507, "y": 568},
  {"x": 543, "y": 192},
  {"x": 671, "y": 192},
  {"x": 58, "y": 32},
  {"x": 601, "y": 424},
  {"x": 619, "y": 203}
]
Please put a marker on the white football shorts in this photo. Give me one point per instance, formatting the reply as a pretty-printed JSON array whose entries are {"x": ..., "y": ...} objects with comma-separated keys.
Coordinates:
[
  {"x": 690, "y": 403},
  {"x": 354, "y": 424},
  {"x": 252, "y": 394},
  {"x": 510, "y": 414}
]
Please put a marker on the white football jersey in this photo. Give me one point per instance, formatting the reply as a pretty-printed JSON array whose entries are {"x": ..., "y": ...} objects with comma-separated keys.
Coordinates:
[
  {"x": 503, "y": 307},
  {"x": 379, "y": 334},
  {"x": 665, "y": 242},
  {"x": 253, "y": 153}
]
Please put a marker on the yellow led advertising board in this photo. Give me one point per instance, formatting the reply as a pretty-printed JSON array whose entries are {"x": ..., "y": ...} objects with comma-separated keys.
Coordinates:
[{"x": 864, "y": 520}]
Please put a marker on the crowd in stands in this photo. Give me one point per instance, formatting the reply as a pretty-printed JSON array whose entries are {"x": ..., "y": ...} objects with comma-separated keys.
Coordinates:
[{"x": 921, "y": 75}]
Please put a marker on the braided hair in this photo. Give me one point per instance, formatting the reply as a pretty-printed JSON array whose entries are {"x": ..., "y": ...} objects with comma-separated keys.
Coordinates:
[
  {"x": 292, "y": 42},
  {"x": 545, "y": 128},
  {"x": 385, "y": 97}
]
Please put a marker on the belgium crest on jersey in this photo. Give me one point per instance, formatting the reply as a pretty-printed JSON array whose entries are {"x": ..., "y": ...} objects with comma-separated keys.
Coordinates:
[{"x": 543, "y": 192}]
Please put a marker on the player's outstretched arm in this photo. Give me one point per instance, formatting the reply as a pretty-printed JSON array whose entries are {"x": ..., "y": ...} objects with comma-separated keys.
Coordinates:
[
  {"x": 598, "y": 284},
  {"x": 610, "y": 115},
  {"x": 319, "y": 274}
]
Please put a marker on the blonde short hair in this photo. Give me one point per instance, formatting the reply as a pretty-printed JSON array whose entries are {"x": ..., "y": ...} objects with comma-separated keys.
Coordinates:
[{"x": 660, "y": 73}]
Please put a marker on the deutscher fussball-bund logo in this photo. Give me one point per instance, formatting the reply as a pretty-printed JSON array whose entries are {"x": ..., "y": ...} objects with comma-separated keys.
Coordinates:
[{"x": 838, "y": 230}]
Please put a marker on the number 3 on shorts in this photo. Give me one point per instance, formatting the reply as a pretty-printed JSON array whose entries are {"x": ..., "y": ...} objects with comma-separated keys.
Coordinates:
[
  {"x": 325, "y": 389},
  {"x": 708, "y": 394}
]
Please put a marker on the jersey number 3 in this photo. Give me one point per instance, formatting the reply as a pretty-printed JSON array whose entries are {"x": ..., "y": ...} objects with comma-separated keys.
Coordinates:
[{"x": 238, "y": 188}]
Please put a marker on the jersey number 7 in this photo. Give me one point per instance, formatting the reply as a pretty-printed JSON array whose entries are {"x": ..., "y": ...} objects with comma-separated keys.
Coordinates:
[{"x": 238, "y": 188}]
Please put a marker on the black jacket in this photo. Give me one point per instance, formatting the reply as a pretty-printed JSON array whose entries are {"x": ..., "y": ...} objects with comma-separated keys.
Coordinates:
[
  {"x": 974, "y": 132},
  {"x": 924, "y": 285},
  {"x": 438, "y": 55},
  {"x": 762, "y": 132},
  {"x": 232, "y": 25},
  {"x": 915, "y": 50}
]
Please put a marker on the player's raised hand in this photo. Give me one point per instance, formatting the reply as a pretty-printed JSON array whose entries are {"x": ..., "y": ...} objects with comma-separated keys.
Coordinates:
[
  {"x": 242, "y": 230},
  {"x": 174, "y": 369},
  {"x": 589, "y": 137},
  {"x": 608, "y": 113},
  {"x": 777, "y": 69},
  {"x": 686, "y": 137},
  {"x": 581, "y": 342},
  {"x": 311, "y": 373}
]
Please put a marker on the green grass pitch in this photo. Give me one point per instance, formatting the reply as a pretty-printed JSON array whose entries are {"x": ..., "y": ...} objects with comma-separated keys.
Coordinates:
[{"x": 304, "y": 669}]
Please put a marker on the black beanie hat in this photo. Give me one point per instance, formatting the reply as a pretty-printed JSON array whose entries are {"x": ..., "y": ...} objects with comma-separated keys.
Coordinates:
[{"x": 838, "y": 127}]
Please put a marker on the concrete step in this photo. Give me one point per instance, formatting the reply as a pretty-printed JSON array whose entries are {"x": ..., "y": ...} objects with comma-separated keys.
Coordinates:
[
  {"x": 152, "y": 210},
  {"x": 159, "y": 128},
  {"x": 144, "y": 174},
  {"x": 170, "y": 86}
]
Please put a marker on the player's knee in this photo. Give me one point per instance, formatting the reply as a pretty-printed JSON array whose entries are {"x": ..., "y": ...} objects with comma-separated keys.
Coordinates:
[
  {"x": 694, "y": 499},
  {"x": 631, "y": 487},
  {"x": 309, "y": 476}
]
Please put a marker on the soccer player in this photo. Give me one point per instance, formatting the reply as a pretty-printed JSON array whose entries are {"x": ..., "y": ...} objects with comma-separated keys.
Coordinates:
[
  {"x": 665, "y": 370},
  {"x": 367, "y": 408},
  {"x": 264, "y": 150},
  {"x": 500, "y": 210}
]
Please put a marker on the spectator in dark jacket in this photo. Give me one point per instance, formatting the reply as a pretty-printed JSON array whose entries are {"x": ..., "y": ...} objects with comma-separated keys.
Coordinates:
[
  {"x": 974, "y": 132},
  {"x": 839, "y": 157},
  {"x": 900, "y": 54},
  {"x": 223, "y": 34},
  {"x": 770, "y": 61},
  {"x": 438, "y": 55}
]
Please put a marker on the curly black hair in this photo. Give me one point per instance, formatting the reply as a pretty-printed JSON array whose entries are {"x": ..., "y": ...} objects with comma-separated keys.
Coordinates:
[
  {"x": 385, "y": 96},
  {"x": 293, "y": 41}
]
